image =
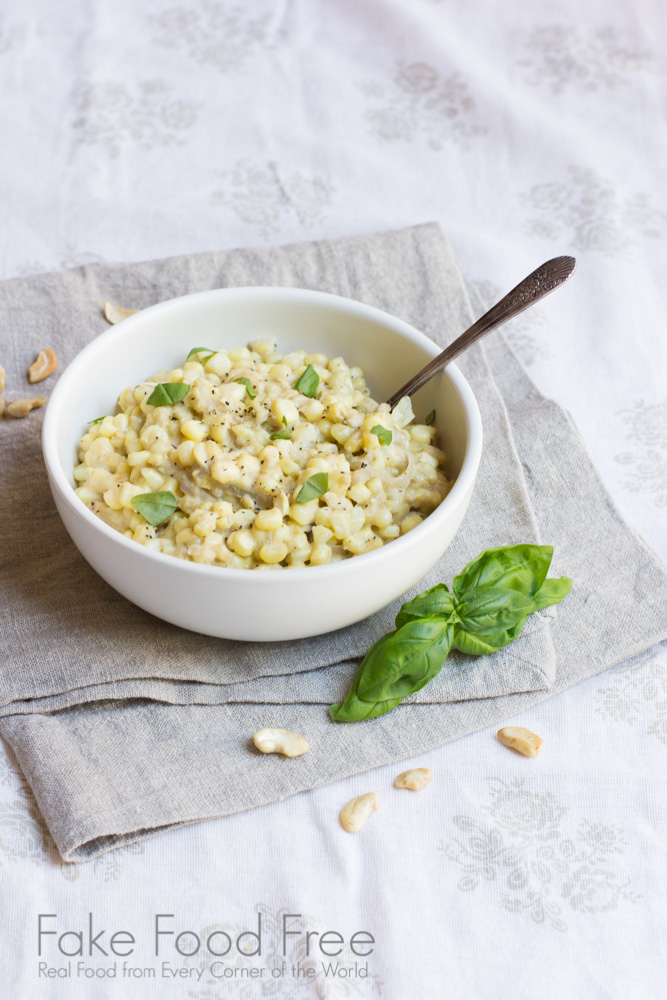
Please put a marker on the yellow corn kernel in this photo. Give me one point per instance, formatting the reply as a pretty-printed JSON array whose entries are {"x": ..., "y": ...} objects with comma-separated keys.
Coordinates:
[
  {"x": 184, "y": 454},
  {"x": 381, "y": 518},
  {"x": 153, "y": 479},
  {"x": 320, "y": 555},
  {"x": 100, "y": 480},
  {"x": 341, "y": 524},
  {"x": 269, "y": 520},
  {"x": 359, "y": 493},
  {"x": 273, "y": 552},
  {"x": 421, "y": 433},
  {"x": 321, "y": 535},
  {"x": 304, "y": 513},
  {"x": 284, "y": 409},
  {"x": 242, "y": 542},
  {"x": 266, "y": 345},
  {"x": 203, "y": 522},
  {"x": 341, "y": 432},
  {"x": 312, "y": 410},
  {"x": 289, "y": 467},
  {"x": 225, "y": 470},
  {"x": 138, "y": 458},
  {"x": 194, "y": 430},
  {"x": 126, "y": 493},
  {"x": 410, "y": 522},
  {"x": 316, "y": 359},
  {"x": 220, "y": 364}
]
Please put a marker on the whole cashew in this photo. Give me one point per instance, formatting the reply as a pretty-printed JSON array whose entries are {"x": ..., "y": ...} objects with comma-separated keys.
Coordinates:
[
  {"x": 280, "y": 741},
  {"x": 356, "y": 812}
]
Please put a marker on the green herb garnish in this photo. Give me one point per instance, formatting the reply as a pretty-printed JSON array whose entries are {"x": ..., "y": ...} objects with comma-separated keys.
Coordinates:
[
  {"x": 155, "y": 507},
  {"x": 168, "y": 393},
  {"x": 316, "y": 486},
  {"x": 248, "y": 386},
  {"x": 487, "y": 610},
  {"x": 97, "y": 420},
  {"x": 382, "y": 433},
  {"x": 308, "y": 382},
  {"x": 198, "y": 350},
  {"x": 283, "y": 435},
  {"x": 430, "y": 419}
]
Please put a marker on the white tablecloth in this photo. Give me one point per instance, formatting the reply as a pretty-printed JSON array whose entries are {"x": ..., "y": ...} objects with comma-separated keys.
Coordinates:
[{"x": 132, "y": 131}]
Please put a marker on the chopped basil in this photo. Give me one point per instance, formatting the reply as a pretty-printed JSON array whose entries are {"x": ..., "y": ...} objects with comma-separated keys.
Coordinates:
[
  {"x": 198, "y": 350},
  {"x": 308, "y": 382},
  {"x": 248, "y": 386},
  {"x": 281, "y": 435},
  {"x": 97, "y": 420},
  {"x": 430, "y": 419},
  {"x": 168, "y": 393},
  {"x": 155, "y": 507},
  {"x": 316, "y": 486},
  {"x": 382, "y": 432}
]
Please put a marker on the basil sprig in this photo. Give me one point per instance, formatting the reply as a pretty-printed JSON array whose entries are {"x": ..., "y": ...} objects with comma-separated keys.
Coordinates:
[
  {"x": 248, "y": 386},
  {"x": 97, "y": 420},
  {"x": 316, "y": 486},
  {"x": 382, "y": 433},
  {"x": 308, "y": 382},
  {"x": 430, "y": 418},
  {"x": 156, "y": 508},
  {"x": 491, "y": 600},
  {"x": 282, "y": 435},
  {"x": 168, "y": 393}
]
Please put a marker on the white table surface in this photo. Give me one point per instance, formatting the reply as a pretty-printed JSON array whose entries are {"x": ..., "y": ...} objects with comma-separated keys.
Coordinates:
[{"x": 138, "y": 130}]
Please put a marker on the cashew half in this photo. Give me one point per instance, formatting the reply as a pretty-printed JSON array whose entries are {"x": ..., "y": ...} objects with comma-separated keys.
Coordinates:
[
  {"x": 280, "y": 741},
  {"x": 114, "y": 314},
  {"x": 44, "y": 365},
  {"x": 2, "y": 380},
  {"x": 356, "y": 812},
  {"x": 415, "y": 779},
  {"x": 22, "y": 407},
  {"x": 521, "y": 740}
]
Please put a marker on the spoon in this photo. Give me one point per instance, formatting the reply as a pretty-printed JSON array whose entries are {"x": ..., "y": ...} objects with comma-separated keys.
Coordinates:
[{"x": 533, "y": 288}]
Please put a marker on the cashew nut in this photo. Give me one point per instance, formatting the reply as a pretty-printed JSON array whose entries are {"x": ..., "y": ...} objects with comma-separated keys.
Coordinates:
[
  {"x": 2, "y": 406},
  {"x": 22, "y": 407},
  {"x": 280, "y": 741},
  {"x": 114, "y": 314},
  {"x": 521, "y": 740},
  {"x": 44, "y": 365},
  {"x": 356, "y": 812},
  {"x": 415, "y": 779},
  {"x": 2, "y": 380}
]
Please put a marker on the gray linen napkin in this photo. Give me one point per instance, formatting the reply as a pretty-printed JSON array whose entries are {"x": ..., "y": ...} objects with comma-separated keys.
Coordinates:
[{"x": 74, "y": 642}]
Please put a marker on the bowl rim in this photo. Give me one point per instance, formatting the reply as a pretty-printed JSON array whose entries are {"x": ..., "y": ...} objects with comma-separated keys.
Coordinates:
[{"x": 464, "y": 481}]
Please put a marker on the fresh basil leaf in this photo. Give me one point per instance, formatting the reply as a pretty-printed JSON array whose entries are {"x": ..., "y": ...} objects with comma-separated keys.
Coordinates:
[
  {"x": 436, "y": 601},
  {"x": 283, "y": 435},
  {"x": 430, "y": 419},
  {"x": 382, "y": 433},
  {"x": 97, "y": 420},
  {"x": 493, "y": 609},
  {"x": 248, "y": 386},
  {"x": 316, "y": 486},
  {"x": 308, "y": 382},
  {"x": 208, "y": 351},
  {"x": 517, "y": 567},
  {"x": 552, "y": 592},
  {"x": 394, "y": 667},
  {"x": 168, "y": 393},
  {"x": 482, "y": 645},
  {"x": 155, "y": 507}
]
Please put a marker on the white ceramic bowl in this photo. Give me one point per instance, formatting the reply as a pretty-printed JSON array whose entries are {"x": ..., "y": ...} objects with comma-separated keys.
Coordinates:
[{"x": 249, "y": 604}]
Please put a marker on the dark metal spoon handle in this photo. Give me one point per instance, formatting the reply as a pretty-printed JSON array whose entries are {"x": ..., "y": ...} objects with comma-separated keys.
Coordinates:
[{"x": 533, "y": 288}]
